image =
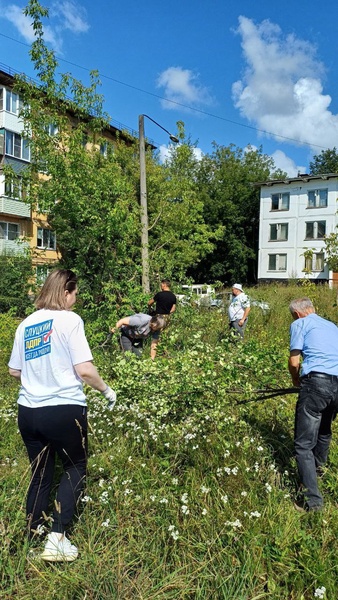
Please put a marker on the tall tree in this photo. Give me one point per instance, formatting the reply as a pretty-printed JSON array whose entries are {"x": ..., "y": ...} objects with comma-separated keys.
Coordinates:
[
  {"x": 325, "y": 162},
  {"x": 179, "y": 237},
  {"x": 226, "y": 179}
]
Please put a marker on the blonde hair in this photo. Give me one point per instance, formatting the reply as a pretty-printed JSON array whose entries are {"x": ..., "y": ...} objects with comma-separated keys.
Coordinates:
[{"x": 52, "y": 294}]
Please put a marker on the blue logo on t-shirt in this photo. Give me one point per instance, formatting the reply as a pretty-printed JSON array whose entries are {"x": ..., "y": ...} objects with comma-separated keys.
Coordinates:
[{"x": 37, "y": 339}]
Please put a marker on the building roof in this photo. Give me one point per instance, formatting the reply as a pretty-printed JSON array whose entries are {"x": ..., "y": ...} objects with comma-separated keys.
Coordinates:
[
  {"x": 7, "y": 75},
  {"x": 302, "y": 177}
]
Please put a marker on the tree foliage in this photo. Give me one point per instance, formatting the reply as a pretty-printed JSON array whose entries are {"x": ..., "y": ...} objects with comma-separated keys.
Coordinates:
[
  {"x": 226, "y": 181},
  {"x": 325, "y": 162}
]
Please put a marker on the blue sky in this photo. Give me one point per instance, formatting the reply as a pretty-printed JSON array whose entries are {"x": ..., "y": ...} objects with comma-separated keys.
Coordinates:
[{"x": 260, "y": 73}]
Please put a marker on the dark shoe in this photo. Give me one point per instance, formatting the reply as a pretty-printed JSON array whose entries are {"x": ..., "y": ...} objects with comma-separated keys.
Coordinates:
[{"x": 303, "y": 507}]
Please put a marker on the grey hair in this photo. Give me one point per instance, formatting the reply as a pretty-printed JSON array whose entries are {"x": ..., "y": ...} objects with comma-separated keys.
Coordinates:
[{"x": 302, "y": 306}]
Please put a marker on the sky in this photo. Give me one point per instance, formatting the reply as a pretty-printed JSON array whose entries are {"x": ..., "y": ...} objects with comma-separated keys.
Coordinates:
[{"x": 240, "y": 72}]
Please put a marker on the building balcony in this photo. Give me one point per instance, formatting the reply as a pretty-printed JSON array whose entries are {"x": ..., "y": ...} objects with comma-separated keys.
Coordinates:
[
  {"x": 13, "y": 247},
  {"x": 10, "y": 206}
]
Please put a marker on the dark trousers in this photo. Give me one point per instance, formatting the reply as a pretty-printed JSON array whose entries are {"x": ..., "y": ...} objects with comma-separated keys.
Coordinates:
[
  {"x": 129, "y": 344},
  {"x": 49, "y": 432},
  {"x": 316, "y": 408}
]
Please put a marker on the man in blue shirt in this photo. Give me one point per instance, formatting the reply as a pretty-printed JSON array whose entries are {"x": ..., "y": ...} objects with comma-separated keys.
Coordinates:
[{"x": 315, "y": 340}]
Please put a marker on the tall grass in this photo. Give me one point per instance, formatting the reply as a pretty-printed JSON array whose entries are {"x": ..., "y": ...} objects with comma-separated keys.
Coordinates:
[{"x": 189, "y": 494}]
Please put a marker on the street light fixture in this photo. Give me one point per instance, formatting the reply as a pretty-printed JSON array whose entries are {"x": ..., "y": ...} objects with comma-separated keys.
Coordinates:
[{"x": 143, "y": 199}]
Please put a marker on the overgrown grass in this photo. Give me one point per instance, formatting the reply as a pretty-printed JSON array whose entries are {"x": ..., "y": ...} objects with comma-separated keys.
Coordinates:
[{"x": 189, "y": 494}]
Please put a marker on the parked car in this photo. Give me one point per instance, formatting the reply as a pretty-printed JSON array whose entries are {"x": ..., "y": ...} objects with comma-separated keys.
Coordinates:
[{"x": 200, "y": 294}]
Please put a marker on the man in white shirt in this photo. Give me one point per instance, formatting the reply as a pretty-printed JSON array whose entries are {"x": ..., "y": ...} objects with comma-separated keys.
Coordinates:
[{"x": 239, "y": 309}]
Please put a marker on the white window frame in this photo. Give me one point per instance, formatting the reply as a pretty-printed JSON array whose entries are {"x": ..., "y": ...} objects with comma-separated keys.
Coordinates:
[
  {"x": 13, "y": 188},
  {"x": 41, "y": 273},
  {"x": 44, "y": 235},
  {"x": 12, "y": 102},
  {"x": 279, "y": 229},
  {"x": 5, "y": 230},
  {"x": 317, "y": 200},
  {"x": 280, "y": 260},
  {"x": 315, "y": 235},
  {"x": 281, "y": 197},
  {"x": 315, "y": 263},
  {"x": 19, "y": 146}
]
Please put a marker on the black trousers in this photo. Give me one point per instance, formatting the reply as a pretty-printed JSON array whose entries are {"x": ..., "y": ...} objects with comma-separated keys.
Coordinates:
[{"x": 49, "y": 432}]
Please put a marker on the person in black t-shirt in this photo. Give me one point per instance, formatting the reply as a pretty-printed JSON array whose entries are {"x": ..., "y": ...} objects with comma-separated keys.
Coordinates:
[{"x": 165, "y": 300}]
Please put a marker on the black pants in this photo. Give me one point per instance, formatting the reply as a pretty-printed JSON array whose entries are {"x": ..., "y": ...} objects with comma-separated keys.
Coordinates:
[{"x": 47, "y": 432}]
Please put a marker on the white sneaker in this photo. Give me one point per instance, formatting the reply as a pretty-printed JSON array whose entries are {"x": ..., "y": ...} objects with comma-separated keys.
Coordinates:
[{"x": 58, "y": 549}]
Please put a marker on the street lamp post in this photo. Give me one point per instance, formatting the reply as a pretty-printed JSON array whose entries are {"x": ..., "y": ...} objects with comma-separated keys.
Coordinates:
[{"x": 143, "y": 200}]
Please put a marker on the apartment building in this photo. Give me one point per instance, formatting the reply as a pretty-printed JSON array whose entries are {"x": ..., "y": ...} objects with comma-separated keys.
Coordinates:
[
  {"x": 17, "y": 221},
  {"x": 295, "y": 215}
]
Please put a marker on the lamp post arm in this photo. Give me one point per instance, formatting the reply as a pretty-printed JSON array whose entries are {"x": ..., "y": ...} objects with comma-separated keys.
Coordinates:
[{"x": 171, "y": 136}]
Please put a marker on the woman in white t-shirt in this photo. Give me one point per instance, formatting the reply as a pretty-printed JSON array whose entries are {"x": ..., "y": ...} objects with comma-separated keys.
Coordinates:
[{"x": 51, "y": 358}]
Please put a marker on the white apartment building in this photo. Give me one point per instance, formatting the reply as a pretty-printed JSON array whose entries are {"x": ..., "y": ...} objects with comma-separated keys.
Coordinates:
[{"x": 295, "y": 215}]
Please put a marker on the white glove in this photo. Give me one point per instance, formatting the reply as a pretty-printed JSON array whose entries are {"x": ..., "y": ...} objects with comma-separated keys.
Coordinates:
[{"x": 111, "y": 397}]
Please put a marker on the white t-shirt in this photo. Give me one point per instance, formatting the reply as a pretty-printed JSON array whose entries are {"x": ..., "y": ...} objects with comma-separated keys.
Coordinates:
[
  {"x": 47, "y": 345},
  {"x": 237, "y": 306}
]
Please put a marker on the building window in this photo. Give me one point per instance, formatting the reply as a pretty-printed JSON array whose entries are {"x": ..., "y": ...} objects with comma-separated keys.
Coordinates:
[
  {"x": 13, "y": 103},
  {"x": 279, "y": 232},
  {"x": 41, "y": 272},
  {"x": 317, "y": 198},
  {"x": 315, "y": 230},
  {"x": 1, "y": 98},
  {"x": 17, "y": 146},
  {"x": 277, "y": 262},
  {"x": 9, "y": 231},
  {"x": 13, "y": 188},
  {"x": 314, "y": 262},
  {"x": 46, "y": 239},
  {"x": 52, "y": 129},
  {"x": 280, "y": 201}
]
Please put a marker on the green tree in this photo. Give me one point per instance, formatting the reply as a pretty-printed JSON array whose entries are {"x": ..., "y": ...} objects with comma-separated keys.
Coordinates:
[
  {"x": 178, "y": 235},
  {"x": 226, "y": 181},
  {"x": 16, "y": 282},
  {"x": 325, "y": 162}
]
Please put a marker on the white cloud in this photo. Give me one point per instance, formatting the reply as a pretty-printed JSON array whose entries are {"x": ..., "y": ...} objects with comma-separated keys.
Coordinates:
[
  {"x": 72, "y": 16},
  {"x": 164, "y": 153},
  {"x": 182, "y": 86},
  {"x": 287, "y": 164},
  {"x": 62, "y": 16},
  {"x": 281, "y": 90},
  {"x": 14, "y": 14}
]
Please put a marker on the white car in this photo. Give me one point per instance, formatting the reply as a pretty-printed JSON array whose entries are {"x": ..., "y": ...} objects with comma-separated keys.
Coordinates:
[{"x": 201, "y": 294}]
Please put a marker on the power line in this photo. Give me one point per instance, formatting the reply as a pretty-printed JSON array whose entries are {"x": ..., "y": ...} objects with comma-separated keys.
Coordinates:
[{"x": 197, "y": 110}]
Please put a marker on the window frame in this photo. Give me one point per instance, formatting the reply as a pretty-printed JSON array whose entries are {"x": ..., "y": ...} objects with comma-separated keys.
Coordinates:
[
  {"x": 317, "y": 200},
  {"x": 277, "y": 257},
  {"x": 41, "y": 235},
  {"x": 6, "y": 236},
  {"x": 313, "y": 267},
  {"x": 315, "y": 228},
  {"x": 16, "y": 140},
  {"x": 280, "y": 196},
  {"x": 279, "y": 228}
]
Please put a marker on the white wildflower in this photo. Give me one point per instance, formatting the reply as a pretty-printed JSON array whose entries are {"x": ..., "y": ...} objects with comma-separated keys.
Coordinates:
[
  {"x": 185, "y": 509},
  {"x": 105, "y": 523},
  {"x": 320, "y": 592}
]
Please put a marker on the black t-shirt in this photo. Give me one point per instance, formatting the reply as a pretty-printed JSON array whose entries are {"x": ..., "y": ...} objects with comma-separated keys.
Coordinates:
[{"x": 164, "y": 302}]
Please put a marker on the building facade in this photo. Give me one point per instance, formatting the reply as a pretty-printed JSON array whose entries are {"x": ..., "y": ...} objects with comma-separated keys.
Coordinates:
[
  {"x": 18, "y": 222},
  {"x": 295, "y": 215}
]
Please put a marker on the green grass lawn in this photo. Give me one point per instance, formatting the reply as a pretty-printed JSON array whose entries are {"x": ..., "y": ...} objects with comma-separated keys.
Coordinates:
[{"x": 189, "y": 492}]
